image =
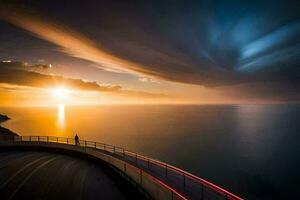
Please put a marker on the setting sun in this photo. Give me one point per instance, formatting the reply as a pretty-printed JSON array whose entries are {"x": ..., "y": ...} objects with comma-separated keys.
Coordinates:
[{"x": 60, "y": 93}]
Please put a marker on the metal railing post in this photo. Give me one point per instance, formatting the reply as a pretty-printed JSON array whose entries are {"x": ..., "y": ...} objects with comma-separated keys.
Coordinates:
[
  {"x": 136, "y": 157},
  {"x": 47, "y": 139},
  {"x": 30, "y": 138},
  {"x": 38, "y": 138},
  {"x": 95, "y": 145},
  {"x": 141, "y": 177},
  {"x": 67, "y": 140},
  {"x": 166, "y": 173},
  {"x": 56, "y": 139},
  {"x": 202, "y": 193}
]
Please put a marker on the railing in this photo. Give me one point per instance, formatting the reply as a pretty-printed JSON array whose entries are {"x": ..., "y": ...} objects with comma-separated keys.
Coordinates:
[{"x": 161, "y": 180}]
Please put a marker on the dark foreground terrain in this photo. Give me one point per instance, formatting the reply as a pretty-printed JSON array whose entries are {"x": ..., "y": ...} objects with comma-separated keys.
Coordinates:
[
  {"x": 5, "y": 131},
  {"x": 45, "y": 175}
]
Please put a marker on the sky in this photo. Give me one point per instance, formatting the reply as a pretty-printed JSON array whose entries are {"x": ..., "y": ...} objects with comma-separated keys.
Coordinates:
[{"x": 101, "y": 51}]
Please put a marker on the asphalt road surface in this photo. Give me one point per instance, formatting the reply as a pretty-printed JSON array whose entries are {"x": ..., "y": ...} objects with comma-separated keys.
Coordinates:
[{"x": 45, "y": 175}]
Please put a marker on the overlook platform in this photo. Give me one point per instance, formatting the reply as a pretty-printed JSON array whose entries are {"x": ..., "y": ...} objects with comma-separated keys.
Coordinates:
[
  {"x": 153, "y": 178},
  {"x": 48, "y": 175}
]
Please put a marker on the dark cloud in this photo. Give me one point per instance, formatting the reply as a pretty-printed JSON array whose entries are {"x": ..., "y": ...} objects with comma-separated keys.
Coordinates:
[
  {"x": 18, "y": 73},
  {"x": 210, "y": 43},
  {"x": 23, "y": 65}
]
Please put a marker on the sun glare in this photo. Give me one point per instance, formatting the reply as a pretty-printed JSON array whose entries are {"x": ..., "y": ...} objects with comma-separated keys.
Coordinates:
[{"x": 60, "y": 93}]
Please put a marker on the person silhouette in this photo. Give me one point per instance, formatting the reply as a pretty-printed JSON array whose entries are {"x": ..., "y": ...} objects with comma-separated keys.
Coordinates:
[{"x": 76, "y": 140}]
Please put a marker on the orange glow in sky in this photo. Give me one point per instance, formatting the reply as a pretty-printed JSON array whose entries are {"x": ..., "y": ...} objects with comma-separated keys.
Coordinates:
[
  {"x": 60, "y": 93},
  {"x": 75, "y": 78}
]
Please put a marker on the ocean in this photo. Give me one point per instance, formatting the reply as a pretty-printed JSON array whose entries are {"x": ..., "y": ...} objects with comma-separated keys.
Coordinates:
[{"x": 251, "y": 150}]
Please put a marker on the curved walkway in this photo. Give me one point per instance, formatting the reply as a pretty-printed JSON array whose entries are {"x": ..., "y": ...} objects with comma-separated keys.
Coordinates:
[
  {"x": 43, "y": 175},
  {"x": 160, "y": 180}
]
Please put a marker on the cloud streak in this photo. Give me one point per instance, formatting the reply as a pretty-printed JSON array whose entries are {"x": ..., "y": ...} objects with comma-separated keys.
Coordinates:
[
  {"x": 79, "y": 46},
  {"x": 207, "y": 43},
  {"x": 71, "y": 42},
  {"x": 18, "y": 73}
]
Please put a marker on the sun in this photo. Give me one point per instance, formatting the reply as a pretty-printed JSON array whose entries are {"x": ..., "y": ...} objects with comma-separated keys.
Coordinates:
[{"x": 60, "y": 93}]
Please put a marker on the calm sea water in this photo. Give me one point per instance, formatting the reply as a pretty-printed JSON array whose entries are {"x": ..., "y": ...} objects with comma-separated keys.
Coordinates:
[{"x": 251, "y": 150}]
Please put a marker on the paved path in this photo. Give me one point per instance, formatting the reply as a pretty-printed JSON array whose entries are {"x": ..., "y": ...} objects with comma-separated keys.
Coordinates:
[
  {"x": 181, "y": 182},
  {"x": 42, "y": 175}
]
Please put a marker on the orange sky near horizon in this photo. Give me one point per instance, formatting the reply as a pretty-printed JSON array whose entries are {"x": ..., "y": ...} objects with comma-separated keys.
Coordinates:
[
  {"x": 89, "y": 74},
  {"x": 18, "y": 96}
]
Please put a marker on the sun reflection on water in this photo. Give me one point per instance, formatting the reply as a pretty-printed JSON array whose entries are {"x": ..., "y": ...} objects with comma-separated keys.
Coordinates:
[{"x": 61, "y": 116}]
